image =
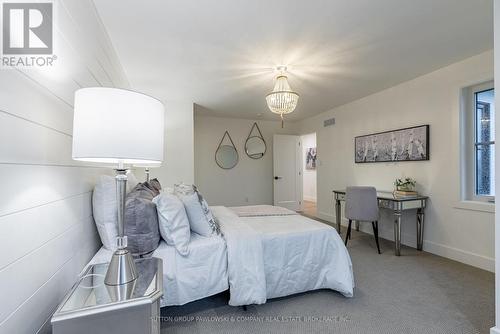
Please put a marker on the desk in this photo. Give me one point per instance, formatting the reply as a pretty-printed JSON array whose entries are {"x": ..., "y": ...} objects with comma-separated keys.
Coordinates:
[{"x": 387, "y": 200}]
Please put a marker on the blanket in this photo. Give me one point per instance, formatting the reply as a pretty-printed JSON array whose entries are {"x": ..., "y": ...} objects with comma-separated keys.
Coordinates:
[
  {"x": 275, "y": 256},
  {"x": 261, "y": 211},
  {"x": 247, "y": 281}
]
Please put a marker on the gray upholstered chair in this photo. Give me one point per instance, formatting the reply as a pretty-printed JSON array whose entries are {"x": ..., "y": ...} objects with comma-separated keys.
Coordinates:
[{"x": 361, "y": 205}]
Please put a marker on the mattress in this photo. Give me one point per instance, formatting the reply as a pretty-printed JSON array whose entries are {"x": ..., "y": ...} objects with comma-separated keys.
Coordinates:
[
  {"x": 200, "y": 274},
  {"x": 302, "y": 254}
]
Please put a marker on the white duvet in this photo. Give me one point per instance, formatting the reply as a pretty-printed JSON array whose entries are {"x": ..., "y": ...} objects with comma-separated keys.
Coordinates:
[
  {"x": 201, "y": 274},
  {"x": 259, "y": 257},
  {"x": 275, "y": 256}
]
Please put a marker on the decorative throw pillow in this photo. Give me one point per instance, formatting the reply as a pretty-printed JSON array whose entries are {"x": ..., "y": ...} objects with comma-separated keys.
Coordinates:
[
  {"x": 105, "y": 208},
  {"x": 141, "y": 219},
  {"x": 155, "y": 185},
  {"x": 183, "y": 189},
  {"x": 200, "y": 217},
  {"x": 173, "y": 221},
  {"x": 214, "y": 224}
]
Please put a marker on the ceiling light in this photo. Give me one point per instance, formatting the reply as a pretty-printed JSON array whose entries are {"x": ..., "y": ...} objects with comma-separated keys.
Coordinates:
[{"x": 282, "y": 100}]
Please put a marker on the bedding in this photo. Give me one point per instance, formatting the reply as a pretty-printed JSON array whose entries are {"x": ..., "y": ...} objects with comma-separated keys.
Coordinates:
[
  {"x": 275, "y": 256},
  {"x": 154, "y": 185},
  {"x": 261, "y": 210},
  {"x": 302, "y": 254},
  {"x": 141, "y": 219},
  {"x": 247, "y": 282},
  {"x": 201, "y": 274},
  {"x": 257, "y": 258},
  {"x": 200, "y": 217},
  {"x": 173, "y": 221},
  {"x": 104, "y": 207}
]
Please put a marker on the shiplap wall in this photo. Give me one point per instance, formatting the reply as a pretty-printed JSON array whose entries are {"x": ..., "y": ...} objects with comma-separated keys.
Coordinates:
[{"x": 47, "y": 233}]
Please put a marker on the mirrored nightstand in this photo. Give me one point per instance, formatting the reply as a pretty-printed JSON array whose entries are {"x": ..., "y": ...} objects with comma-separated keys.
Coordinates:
[{"x": 93, "y": 307}]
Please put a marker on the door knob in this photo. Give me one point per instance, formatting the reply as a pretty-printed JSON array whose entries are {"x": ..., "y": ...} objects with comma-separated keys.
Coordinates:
[{"x": 278, "y": 177}]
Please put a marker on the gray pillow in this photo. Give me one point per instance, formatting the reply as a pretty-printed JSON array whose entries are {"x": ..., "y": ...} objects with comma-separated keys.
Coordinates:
[
  {"x": 154, "y": 185},
  {"x": 141, "y": 220}
]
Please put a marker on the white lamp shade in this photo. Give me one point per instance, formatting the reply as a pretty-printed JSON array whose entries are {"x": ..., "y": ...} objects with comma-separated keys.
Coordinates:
[{"x": 113, "y": 125}]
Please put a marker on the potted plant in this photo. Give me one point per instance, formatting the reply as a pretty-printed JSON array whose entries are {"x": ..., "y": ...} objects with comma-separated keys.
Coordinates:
[{"x": 407, "y": 184}]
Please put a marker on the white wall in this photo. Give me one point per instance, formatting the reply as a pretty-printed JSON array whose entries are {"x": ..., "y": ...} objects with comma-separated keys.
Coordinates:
[
  {"x": 251, "y": 180},
  {"x": 48, "y": 233},
  {"x": 178, "y": 160},
  {"x": 451, "y": 229},
  {"x": 309, "y": 175}
]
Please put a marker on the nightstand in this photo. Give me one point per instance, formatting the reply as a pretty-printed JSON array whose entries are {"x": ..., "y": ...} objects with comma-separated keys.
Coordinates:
[{"x": 93, "y": 307}]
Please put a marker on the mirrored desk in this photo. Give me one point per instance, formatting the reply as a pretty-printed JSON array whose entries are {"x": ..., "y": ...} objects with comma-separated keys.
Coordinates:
[{"x": 387, "y": 200}]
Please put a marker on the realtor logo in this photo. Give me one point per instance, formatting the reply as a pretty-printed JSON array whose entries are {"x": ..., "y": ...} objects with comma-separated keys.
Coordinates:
[
  {"x": 27, "y": 34},
  {"x": 27, "y": 28}
]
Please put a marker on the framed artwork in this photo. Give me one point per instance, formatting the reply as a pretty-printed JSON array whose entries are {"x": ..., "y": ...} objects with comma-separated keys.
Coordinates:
[
  {"x": 408, "y": 144},
  {"x": 311, "y": 158}
]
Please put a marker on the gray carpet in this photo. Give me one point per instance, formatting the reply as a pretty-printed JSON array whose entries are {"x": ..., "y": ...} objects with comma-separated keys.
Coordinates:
[{"x": 415, "y": 293}]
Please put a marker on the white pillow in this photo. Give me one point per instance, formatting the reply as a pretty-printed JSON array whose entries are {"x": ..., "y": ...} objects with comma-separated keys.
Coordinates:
[
  {"x": 105, "y": 208},
  {"x": 197, "y": 219},
  {"x": 131, "y": 181},
  {"x": 201, "y": 219},
  {"x": 173, "y": 221}
]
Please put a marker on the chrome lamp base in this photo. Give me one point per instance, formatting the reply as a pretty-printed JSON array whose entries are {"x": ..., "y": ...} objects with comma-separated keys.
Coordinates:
[{"x": 121, "y": 269}]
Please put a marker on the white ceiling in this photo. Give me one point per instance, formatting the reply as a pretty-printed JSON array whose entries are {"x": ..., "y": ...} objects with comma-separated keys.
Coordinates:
[{"x": 220, "y": 54}]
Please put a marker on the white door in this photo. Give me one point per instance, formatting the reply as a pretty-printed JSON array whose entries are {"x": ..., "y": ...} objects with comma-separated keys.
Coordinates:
[{"x": 287, "y": 166}]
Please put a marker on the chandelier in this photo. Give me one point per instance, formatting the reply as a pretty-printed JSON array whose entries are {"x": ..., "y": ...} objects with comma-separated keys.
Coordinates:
[{"x": 282, "y": 100}]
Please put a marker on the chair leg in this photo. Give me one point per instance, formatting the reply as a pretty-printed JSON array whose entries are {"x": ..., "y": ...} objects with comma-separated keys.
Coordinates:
[
  {"x": 348, "y": 234},
  {"x": 375, "y": 233}
]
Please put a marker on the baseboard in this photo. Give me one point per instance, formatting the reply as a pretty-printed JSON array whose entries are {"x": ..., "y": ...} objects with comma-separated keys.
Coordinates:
[
  {"x": 326, "y": 216},
  {"x": 309, "y": 199},
  {"x": 460, "y": 255},
  {"x": 456, "y": 254},
  {"x": 448, "y": 252},
  {"x": 494, "y": 330}
]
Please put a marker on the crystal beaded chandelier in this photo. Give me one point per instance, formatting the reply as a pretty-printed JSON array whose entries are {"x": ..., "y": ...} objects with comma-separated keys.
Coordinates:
[{"x": 282, "y": 100}]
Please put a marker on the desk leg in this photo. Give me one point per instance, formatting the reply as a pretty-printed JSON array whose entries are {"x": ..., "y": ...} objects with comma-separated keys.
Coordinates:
[
  {"x": 397, "y": 233},
  {"x": 357, "y": 225},
  {"x": 337, "y": 215},
  {"x": 420, "y": 228}
]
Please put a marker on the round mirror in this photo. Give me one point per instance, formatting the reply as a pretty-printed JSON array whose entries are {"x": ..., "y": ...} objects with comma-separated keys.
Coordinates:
[
  {"x": 255, "y": 147},
  {"x": 226, "y": 156}
]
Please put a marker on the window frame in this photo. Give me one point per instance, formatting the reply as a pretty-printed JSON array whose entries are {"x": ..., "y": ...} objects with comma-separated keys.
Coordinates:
[{"x": 472, "y": 144}]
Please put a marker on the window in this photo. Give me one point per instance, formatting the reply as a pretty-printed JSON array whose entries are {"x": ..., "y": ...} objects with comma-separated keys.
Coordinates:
[
  {"x": 484, "y": 142},
  {"x": 478, "y": 142}
]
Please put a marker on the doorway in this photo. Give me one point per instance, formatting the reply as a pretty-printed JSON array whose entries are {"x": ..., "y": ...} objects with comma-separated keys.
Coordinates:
[
  {"x": 309, "y": 179},
  {"x": 287, "y": 167}
]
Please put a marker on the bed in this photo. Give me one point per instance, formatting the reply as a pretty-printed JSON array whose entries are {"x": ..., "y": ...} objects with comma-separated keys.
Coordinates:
[
  {"x": 265, "y": 252},
  {"x": 301, "y": 254},
  {"x": 274, "y": 252}
]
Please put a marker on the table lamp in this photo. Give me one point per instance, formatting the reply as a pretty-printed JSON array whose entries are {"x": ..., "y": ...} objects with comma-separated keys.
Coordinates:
[{"x": 120, "y": 127}]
